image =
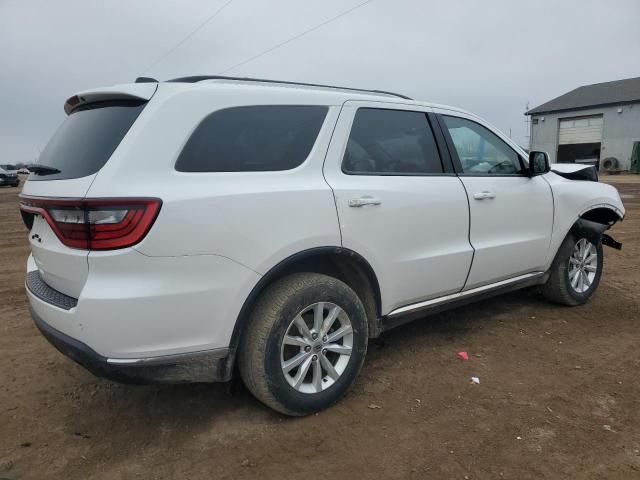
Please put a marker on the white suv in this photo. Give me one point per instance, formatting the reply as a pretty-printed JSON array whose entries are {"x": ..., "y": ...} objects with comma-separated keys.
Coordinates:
[{"x": 177, "y": 227}]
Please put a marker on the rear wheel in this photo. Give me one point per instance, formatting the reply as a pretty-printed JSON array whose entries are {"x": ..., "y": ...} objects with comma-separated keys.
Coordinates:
[
  {"x": 576, "y": 271},
  {"x": 305, "y": 343}
]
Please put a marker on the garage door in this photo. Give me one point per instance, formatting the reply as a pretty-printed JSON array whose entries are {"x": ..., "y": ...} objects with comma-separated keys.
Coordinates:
[{"x": 580, "y": 130}]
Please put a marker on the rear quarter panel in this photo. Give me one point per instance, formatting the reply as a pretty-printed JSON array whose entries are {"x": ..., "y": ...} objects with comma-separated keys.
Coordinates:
[{"x": 254, "y": 218}]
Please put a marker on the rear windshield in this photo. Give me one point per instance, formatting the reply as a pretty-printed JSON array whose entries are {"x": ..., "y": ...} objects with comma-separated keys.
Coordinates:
[
  {"x": 252, "y": 139},
  {"x": 87, "y": 138}
]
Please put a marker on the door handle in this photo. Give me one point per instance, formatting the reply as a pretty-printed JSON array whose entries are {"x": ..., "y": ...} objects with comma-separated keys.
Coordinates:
[
  {"x": 484, "y": 195},
  {"x": 362, "y": 201}
]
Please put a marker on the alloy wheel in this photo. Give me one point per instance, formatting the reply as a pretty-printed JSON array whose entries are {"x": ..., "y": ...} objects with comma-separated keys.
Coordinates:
[
  {"x": 583, "y": 265},
  {"x": 316, "y": 348}
]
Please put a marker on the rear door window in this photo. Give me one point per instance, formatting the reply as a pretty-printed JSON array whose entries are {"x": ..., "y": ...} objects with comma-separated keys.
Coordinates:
[
  {"x": 391, "y": 142},
  {"x": 252, "y": 139},
  {"x": 87, "y": 138}
]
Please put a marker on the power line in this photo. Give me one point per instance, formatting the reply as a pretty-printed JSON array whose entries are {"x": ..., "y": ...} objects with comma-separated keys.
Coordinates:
[
  {"x": 189, "y": 35},
  {"x": 271, "y": 49}
]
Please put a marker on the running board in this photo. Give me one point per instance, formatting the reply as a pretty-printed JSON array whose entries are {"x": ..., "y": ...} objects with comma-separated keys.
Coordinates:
[{"x": 408, "y": 313}]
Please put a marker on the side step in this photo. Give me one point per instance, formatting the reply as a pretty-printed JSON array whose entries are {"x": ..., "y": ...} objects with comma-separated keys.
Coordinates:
[{"x": 408, "y": 313}]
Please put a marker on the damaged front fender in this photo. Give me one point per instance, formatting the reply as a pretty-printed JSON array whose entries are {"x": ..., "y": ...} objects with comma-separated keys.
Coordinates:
[
  {"x": 594, "y": 232},
  {"x": 610, "y": 242}
]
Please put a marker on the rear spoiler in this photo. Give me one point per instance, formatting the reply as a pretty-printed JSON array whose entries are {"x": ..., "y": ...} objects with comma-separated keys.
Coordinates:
[{"x": 132, "y": 91}]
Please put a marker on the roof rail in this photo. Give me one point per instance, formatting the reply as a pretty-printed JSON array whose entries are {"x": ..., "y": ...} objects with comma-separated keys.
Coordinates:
[{"x": 199, "y": 78}]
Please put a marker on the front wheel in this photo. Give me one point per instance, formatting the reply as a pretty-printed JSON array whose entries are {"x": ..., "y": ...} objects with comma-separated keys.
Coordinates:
[
  {"x": 576, "y": 271},
  {"x": 305, "y": 343}
]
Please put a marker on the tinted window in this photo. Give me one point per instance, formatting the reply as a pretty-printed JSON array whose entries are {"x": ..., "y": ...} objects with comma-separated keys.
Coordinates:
[
  {"x": 481, "y": 151},
  {"x": 252, "y": 139},
  {"x": 391, "y": 142},
  {"x": 86, "y": 139}
]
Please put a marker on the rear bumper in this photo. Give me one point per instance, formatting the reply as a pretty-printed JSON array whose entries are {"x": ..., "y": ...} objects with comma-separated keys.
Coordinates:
[
  {"x": 133, "y": 307},
  {"x": 206, "y": 366}
]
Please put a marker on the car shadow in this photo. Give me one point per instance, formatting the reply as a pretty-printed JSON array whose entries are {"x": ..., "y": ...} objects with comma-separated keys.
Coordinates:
[
  {"x": 193, "y": 408},
  {"x": 458, "y": 322}
]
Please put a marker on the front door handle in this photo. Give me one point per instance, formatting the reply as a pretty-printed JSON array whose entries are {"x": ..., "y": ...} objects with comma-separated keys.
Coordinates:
[
  {"x": 365, "y": 200},
  {"x": 485, "y": 194}
]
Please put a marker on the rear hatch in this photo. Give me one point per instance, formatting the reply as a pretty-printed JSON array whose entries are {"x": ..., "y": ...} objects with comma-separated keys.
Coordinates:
[{"x": 52, "y": 198}]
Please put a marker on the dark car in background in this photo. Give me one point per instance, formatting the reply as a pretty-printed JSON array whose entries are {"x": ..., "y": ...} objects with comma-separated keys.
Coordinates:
[{"x": 9, "y": 176}]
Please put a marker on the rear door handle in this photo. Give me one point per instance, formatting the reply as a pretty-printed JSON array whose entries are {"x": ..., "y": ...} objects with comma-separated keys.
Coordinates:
[
  {"x": 365, "y": 200},
  {"x": 485, "y": 194}
]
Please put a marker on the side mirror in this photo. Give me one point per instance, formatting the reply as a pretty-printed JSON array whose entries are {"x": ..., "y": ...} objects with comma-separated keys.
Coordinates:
[{"x": 538, "y": 163}]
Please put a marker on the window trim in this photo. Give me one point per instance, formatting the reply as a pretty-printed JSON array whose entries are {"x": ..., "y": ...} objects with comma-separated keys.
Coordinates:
[
  {"x": 445, "y": 162},
  {"x": 457, "y": 164}
]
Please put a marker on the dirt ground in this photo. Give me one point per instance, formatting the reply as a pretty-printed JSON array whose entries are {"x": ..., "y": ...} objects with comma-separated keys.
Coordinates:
[{"x": 559, "y": 396}]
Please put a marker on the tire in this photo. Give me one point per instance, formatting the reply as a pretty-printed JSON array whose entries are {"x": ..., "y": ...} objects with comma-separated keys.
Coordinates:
[
  {"x": 563, "y": 286},
  {"x": 264, "y": 356}
]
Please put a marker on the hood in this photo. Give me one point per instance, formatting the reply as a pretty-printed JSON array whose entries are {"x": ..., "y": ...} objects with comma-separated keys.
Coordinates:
[{"x": 574, "y": 171}]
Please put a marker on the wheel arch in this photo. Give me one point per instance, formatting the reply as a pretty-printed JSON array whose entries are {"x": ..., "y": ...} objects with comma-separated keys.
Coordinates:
[
  {"x": 593, "y": 222},
  {"x": 601, "y": 214},
  {"x": 342, "y": 263}
]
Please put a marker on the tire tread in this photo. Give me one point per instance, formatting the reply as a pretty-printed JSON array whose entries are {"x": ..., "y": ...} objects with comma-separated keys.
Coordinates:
[
  {"x": 254, "y": 343},
  {"x": 556, "y": 289}
]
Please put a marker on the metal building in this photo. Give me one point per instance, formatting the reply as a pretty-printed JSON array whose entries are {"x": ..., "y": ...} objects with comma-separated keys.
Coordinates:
[{"x": 591, "y": 123}]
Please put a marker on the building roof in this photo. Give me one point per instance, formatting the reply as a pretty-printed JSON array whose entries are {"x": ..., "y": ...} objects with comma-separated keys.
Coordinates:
[{"x": 598, "y": 94}]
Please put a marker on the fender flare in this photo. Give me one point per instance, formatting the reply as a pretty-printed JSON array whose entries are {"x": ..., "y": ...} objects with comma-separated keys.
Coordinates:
[
  {"x": 592, "y": 231},
  {"x": 243, "y": 317}
]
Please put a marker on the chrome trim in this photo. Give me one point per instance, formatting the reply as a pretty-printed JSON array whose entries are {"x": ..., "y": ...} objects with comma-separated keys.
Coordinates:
[
  {"x": 214, "y": 354},
  {"x": 466, "y": 293}
]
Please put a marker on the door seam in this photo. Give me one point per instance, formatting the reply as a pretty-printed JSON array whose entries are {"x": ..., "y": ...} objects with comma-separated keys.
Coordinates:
[
  {"x": 324, "y": 161},
  {"x": 473, "y": 249}
]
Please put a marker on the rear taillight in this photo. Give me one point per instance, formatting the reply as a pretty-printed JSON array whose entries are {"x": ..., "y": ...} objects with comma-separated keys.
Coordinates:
[{"x": 95, "y": 224}]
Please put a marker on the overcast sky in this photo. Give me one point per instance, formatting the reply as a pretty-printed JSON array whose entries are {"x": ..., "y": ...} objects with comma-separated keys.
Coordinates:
[{"x": 490, "y": 56}]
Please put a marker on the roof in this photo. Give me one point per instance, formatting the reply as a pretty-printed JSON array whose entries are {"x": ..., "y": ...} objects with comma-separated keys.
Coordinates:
[
  {"x": 144, "y": 88},
  {"x": 327, "y": 92},
  {"x": 598, "y": 94}
]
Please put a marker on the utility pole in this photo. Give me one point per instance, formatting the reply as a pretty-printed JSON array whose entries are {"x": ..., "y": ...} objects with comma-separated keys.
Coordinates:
[{"x": 527, "y": 119}]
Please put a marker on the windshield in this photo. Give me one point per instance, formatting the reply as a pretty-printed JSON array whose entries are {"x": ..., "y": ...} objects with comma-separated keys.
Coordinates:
[{"x": 87, "y": 138}]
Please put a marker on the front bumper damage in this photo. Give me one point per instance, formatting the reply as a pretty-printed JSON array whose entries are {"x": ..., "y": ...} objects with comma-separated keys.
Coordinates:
[
  {"x": 594, "y": 232},
  {"x": 609, "y": 241}
]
